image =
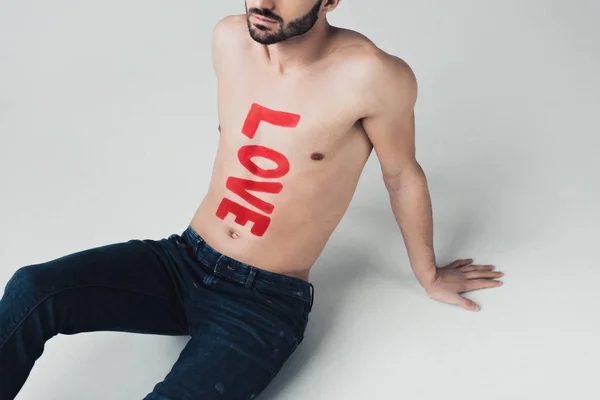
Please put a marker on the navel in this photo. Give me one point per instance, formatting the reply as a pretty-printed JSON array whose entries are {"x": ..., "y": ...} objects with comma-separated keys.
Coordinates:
[
  {"x": 233, "y": 234},
  {"x": 317, "y": 156}
]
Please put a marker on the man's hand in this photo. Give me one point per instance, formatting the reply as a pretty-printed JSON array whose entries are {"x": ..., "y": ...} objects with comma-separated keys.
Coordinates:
[{"x": 459, "y": 277}]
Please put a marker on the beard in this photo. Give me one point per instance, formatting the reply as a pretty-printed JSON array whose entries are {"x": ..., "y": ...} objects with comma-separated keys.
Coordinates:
[{"x": 271, "y": 33}]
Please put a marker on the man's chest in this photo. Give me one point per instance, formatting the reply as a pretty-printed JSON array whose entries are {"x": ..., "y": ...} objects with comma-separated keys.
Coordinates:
[{"x": 302, "y": 118}]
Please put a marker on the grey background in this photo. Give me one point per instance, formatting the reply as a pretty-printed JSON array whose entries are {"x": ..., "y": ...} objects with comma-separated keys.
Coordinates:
[{"x": 108, "y": 131}]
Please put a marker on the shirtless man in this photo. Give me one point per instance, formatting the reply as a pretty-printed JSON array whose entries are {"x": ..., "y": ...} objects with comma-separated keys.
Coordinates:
[{"x": 301, "y": 106}]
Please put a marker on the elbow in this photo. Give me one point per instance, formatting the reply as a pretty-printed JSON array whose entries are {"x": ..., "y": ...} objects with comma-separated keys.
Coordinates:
[{"x": 407, "y": 178}]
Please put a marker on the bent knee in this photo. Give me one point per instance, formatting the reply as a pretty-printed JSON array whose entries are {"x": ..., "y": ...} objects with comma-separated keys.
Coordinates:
[{"x": 27, "y": 279}]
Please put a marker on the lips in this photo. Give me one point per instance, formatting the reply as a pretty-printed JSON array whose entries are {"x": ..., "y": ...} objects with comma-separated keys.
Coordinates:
[{"x": 263, "y": 19}]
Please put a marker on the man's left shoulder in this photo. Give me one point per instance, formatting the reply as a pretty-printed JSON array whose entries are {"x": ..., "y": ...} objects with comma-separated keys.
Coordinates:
[
  {"x": 382, "y": 68},
  {"x": 382, "y": 78},
  {"x": 359, "y": 50},
  {"x": 378, "y": 76}
]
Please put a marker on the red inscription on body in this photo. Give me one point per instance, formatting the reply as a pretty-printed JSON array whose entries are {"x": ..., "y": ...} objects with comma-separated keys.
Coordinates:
[{"x": 243, "y": 187}]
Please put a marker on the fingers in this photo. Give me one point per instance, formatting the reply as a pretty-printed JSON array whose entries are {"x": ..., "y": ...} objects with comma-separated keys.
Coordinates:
[
  {"x": 483, "y": 274},
  {"x": 475, "y": 284},
  {"x": 461, "y": 263},
  {"x": 467, "y": 304},
  {"x": 467, "y": 268}
]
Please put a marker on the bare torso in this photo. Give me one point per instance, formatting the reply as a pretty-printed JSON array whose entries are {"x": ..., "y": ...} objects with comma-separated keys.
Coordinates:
[{"x": 313, "y": 161}]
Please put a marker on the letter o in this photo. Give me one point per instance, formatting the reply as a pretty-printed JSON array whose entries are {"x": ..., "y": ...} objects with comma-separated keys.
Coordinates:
[{"x": 245, "y": 154}]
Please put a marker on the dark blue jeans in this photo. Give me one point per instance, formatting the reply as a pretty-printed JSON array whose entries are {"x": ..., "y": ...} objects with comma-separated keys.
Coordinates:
[{"x": 244, "y": 322}]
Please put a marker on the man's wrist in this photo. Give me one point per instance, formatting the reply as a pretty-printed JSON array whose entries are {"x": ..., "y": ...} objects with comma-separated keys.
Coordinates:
[{"x": 426, "y": 275}]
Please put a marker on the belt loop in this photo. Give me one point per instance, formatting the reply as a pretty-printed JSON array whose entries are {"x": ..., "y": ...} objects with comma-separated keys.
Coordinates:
[
  {"x": 217, "y": 263},
  {"x": 312, "y": 295},
  {"x": 250, "y": 278}
]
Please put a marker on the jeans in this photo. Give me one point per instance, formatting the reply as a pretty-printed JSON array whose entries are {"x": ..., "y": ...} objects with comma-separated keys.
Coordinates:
[{"x": 244, "y": 322}]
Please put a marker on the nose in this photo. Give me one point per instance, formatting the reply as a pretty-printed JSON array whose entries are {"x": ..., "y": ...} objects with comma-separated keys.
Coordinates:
[{"x": 262, "y": 4}]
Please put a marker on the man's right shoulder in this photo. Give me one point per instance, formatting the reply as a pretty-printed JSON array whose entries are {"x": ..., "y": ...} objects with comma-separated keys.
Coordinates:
[{"x": 229, "y": 27}]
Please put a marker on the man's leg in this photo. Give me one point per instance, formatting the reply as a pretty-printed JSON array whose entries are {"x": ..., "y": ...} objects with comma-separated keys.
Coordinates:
[
  {"x": 236, "y": 348},
  {"x": 131, "y": 287},
  {"x": 212, "y": 367}
]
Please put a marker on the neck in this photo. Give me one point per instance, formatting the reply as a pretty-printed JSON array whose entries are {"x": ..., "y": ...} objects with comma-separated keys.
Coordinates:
[{"x": 299, "y": 51}]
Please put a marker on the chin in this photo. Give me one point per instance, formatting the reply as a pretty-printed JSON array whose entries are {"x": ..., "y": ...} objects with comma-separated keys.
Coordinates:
[{"x": 261, "y": 38}]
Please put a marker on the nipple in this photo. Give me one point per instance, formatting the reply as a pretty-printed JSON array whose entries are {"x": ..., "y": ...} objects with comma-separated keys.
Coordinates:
[{"x": 317, "y": 156}]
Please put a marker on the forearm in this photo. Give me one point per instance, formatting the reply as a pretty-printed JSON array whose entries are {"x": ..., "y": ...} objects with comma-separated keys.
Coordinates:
[{"x": 411, "y": 205}]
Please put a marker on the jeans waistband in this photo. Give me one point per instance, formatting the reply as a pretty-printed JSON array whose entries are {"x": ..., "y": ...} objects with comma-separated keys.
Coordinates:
[{"x": 236, "y": 271}]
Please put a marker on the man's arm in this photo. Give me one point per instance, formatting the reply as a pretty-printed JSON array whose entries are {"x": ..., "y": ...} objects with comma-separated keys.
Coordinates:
[{"x": 390, "y": 126}]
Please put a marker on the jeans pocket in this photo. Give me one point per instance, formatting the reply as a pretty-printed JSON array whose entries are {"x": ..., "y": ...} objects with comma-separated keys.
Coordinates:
[{"x": 288, "y": 308}]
